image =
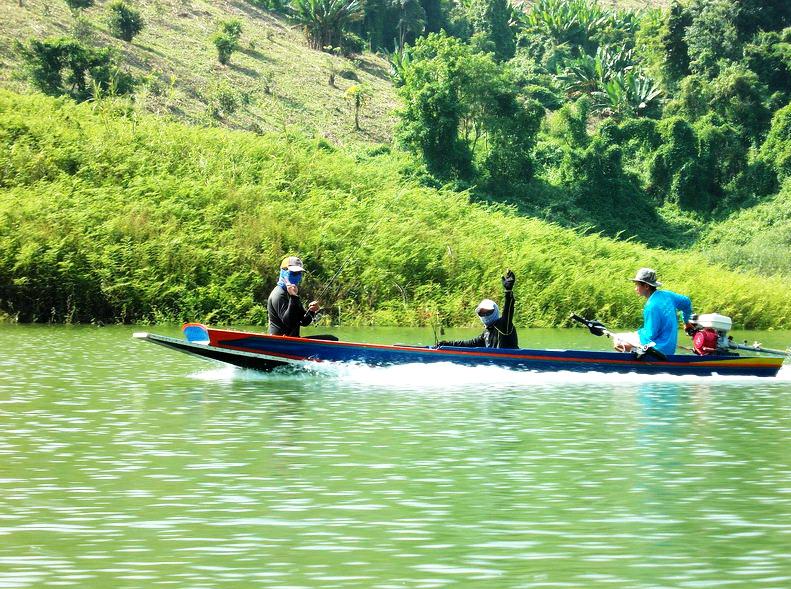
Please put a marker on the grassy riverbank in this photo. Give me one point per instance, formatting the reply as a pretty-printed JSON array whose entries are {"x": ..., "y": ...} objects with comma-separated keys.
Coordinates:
[{"x": 113, "y": 216}]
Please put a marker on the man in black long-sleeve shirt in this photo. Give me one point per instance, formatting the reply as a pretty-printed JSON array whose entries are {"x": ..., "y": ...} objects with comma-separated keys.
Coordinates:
[
  {"x": 286, "y": 313},
  {"x": 500, "y": 331}
]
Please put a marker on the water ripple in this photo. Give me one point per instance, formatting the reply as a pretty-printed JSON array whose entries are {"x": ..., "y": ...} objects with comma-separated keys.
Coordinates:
[{"x": 125, "y": 464}]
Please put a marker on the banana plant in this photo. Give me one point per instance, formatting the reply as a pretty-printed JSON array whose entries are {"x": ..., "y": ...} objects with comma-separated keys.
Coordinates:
[
  {"x": 325, "y": 21},
  {"x": 399, "y": 61},
  {"x": 611, "y": 78}
]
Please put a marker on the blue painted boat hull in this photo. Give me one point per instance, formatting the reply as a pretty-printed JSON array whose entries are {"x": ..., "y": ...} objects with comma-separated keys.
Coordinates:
[{"x": 266, "y": 352}]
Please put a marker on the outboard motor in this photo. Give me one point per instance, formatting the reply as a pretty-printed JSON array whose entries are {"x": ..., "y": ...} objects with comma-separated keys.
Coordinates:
[{"x": 710, "y": 335}]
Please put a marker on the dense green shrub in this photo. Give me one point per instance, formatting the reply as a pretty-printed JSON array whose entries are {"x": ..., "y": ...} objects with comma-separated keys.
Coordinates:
[
  {"x": 124, "y": 20},
  {"x": 76, "y": 5},
  {"x": 776, "y": 150},
  {"x": 65, "y": 66},
  {"x": 226, "y": 39},
  {"x": 352, "y": 44}
]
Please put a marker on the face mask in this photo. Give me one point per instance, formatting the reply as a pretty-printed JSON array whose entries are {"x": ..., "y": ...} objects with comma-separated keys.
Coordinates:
[
  {"x": 489, "y": 319},
  {"x": 287, "y": 278}
]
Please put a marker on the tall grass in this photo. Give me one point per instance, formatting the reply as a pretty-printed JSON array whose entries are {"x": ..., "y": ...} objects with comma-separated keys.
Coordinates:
[{"x": 106, "y": 215}]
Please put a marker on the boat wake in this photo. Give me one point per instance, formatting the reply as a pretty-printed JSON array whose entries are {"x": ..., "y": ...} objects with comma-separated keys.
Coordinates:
[{"x": 452, "y": 376}]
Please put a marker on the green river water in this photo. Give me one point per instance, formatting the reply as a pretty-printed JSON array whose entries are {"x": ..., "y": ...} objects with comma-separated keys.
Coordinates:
[{"x": 123, "y": 464}]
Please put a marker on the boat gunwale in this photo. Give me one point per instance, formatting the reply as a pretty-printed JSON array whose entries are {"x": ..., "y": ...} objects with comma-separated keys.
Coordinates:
[{"x": 524, "y": 353}]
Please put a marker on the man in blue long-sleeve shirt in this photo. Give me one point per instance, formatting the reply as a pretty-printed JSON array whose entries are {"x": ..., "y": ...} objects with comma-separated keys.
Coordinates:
[{"x": 660, "y": 322}]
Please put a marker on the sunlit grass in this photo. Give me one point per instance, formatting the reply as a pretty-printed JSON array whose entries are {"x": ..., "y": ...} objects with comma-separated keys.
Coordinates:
[{"x": 109, "y": 215}]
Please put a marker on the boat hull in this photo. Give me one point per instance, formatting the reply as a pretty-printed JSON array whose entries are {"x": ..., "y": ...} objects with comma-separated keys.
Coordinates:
[{"x": 267, "y": 352}]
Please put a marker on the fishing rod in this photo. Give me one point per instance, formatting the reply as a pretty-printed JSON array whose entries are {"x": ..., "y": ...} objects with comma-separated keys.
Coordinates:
[
  {"x": 598, "y": 328},
  {"x": 353, "y": 256}
]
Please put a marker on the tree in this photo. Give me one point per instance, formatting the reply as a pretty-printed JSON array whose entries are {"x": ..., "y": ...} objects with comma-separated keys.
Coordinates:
[
  {"x": 325, "y": 21},
  {"x": 358, "y": 95},
  {"x": 769, "y": 56},
  {"x": 712, "y": 36},
  {"x": 676, "y": 64},
  {"x": 761, "y": 15},
  {"x": 431, "y": 117},
  {"x": 776, "y": 150},
  {"x": 492, "y": 18},
  {"x": 434, "y": 15},
  {"x": 125, "y": 21},
  {"x": 226, "y": 39},
  {"x": 460, "y": 108},
  {"x": 739, "y": 97},
  {"x": 411, "y": 20}
]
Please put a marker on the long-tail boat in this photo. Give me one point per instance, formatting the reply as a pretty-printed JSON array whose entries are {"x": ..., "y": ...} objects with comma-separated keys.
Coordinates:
[{"x": 268, "y": 352}]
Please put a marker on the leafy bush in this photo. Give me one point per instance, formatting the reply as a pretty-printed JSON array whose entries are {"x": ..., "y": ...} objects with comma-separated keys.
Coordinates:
[
  {"x": 462, "y": 106},
  {"x": 65, "y": 66},
  {"x": 226, "y": 39},
  {"x": 125, "y": 21},
  {"x": 352, "y": 44},
  {"x": 76, "y": 5},
  {"x": 223, "y": 99}
]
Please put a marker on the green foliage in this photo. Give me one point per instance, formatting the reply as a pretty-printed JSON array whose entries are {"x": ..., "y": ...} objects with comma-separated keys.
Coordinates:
[
  {"x": 324, "y": 22},
  {"x": 491, "y": 19},
  {"x": 65, "y": 66},
  {"x": 739, "y": 97},
  {"x": 756, "y": 239},
  {"x": 776, "y": 150},
  {"x": 222, "y": 99},
  {"x": 676, "y": 61},
  {"x": 226, "y": 39},
  {"x": 358, "y": 95},
  {"x": 114, "y": 217},
  {"x": 76, "y": 5},
  {"x": 769, "y": 56},
  {"x": 617, "y": 87},
  {"x": 411, "y": 20},
  {"x": 461, "y": 106},
  {"x": 573, "y": 22},
  {"x": 124, "y": 20},
  {"x": 752, "y": 16},
  {"x": 352, "y": 44},
  {"x": 676, "y": 173},
  {"x": 735, "y": 94},
  {"x": 712, "y": 37}
]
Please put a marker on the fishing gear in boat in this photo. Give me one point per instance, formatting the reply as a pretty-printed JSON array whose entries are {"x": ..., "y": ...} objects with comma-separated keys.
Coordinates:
[
  {"x": 709, "y": 333},
  {"x": 640, "y": 352}
]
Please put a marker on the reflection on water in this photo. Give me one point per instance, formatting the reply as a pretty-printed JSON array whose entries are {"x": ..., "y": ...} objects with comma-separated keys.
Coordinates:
[{"x": 124, "y": 464}]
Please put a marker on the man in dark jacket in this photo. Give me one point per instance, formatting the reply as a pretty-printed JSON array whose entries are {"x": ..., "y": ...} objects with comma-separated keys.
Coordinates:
[
  {"x": 499, "y": 330},
  {"x": 286, "y": 313}
]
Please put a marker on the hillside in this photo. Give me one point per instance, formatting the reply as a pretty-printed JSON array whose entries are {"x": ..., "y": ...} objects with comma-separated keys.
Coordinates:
[
  {"x": 110, "y": 216},
  {"x": 182, "y": 76}
]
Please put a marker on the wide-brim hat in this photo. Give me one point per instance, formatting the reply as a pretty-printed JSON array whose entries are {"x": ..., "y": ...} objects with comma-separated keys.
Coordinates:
[
  {"x": 292, "y": 264},
  {"x": 648, "y": 276}
]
